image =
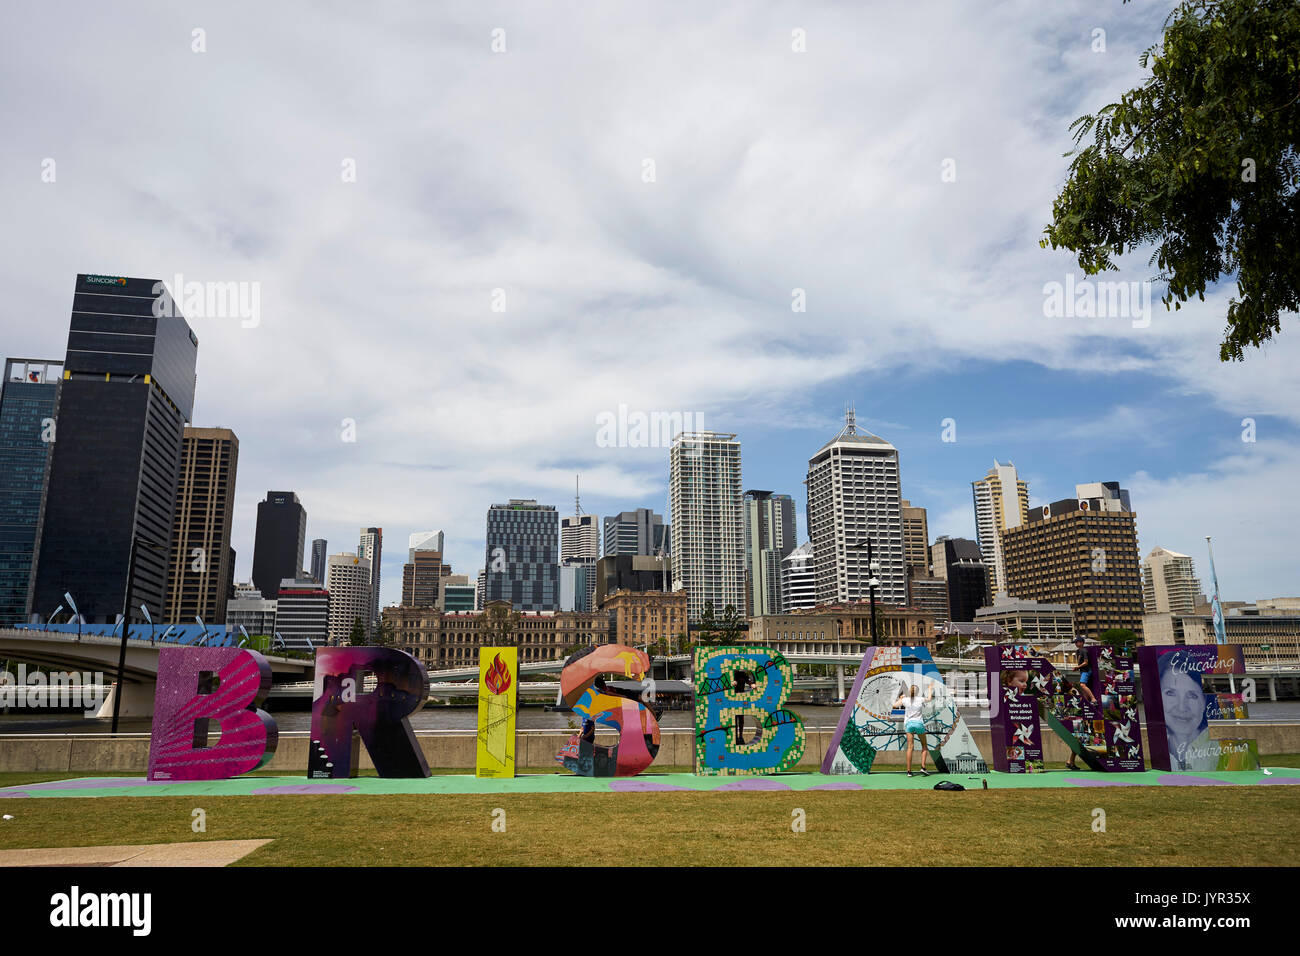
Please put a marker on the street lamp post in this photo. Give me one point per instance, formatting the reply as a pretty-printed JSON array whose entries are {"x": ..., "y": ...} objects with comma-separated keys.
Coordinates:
[
  {"x": 126, "y": 622},
  {"x": 75, "y": 613},
  {"x": 147, "y": 617},
  {"x": 872, "y": 583}
]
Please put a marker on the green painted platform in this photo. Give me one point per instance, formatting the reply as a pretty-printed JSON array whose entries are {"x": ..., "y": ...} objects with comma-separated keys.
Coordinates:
[{"x": 452, "y": 784}]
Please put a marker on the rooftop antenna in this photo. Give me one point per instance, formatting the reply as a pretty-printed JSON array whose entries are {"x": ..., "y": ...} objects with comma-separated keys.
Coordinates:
[
  {"x": 850, "y": 419},
  {"x": 577, "y": 504}
]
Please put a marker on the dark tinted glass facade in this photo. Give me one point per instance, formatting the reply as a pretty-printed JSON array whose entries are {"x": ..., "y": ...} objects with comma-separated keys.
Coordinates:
[
  {"x": 127, "y": 393},
  {"x": 523, "y": 556},
  {"x": 27, "y": 408},
  {"x": 281, "y": 534}
]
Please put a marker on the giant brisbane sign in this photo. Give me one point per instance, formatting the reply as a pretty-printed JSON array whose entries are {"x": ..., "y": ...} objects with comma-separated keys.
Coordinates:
[{"x": 365, "y": 696}]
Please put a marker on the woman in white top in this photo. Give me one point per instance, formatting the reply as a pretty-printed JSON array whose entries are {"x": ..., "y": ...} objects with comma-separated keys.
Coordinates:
[{"x": 913, "y": 724}]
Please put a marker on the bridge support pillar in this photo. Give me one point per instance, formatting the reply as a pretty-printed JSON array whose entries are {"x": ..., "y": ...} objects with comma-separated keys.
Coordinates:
[
  {"x": 1272, "y": 689},
  {"x": 137, "y": 701},
  {"x": 839, "y": 681}
]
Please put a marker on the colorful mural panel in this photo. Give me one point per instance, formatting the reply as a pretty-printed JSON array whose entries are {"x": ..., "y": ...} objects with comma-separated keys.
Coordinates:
[
  {"x": 498, "y": 704},
  {"x": 870, "y": 723},
  {"x": 583, "y": 687},
  {"x": 364, "y": 695},
  {"x": 739, "y": 692},
  {"x": 1097, "y": 719},
  {"x": 221, "y": 685}
]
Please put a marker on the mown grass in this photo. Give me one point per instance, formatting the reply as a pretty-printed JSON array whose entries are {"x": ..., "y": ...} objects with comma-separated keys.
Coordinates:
[{"x": 1248, "y": 826}]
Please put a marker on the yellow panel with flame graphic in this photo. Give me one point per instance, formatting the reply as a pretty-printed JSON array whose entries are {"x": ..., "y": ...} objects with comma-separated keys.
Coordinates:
[{"x": 498, "y": 695}]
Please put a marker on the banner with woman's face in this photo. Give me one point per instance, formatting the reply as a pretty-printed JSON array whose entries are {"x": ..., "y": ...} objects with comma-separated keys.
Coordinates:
[{"x": 1178, "y": 710}]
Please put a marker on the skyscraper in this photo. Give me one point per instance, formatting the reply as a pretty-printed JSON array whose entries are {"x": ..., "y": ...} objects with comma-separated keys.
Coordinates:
[
  {"x": 318, "y": 557},
  {"x": 916, "y": 540},
  {"x": 127, "y": 392},
  {"x": 1001, "y": 502},
  {"x": 960, "y": 563},
  {"x": 28, "y": 403},
  {"x": 769, "y": 537},
  {"x": 708, "y": 529},
  {"x": 348, "y": 583},
  {"x": 798, "y": 579},
  {"x": 853, "y": 498},
  {"x": 523, "y": 555},
  {"x": 371, "y": 547},
  {"x": 201, "y": 572},
  {"x": 579, "y": 549},
  {"x": 1081, "y": 552},
  {"x": 636, "y": 532},
  {"x": 423, "y": 541},
  {"x": 277, "y": 548},
  {"x": 422, "y": 579},
  {"x": 1169, "y": 583}
]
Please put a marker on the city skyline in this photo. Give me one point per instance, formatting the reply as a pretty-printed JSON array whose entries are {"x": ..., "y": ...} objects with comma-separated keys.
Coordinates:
[{"x": 939, "y": 316}]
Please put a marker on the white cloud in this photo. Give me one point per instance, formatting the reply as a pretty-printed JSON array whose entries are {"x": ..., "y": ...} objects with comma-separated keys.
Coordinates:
[{"x": 522, "y": 171}]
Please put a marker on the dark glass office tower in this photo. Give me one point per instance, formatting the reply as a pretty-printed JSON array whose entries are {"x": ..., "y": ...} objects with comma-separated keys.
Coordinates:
[
  {"x": 523, "y": 555},
  {"x": 318, "y": 554},
  {"x": 281, "y": 534},
  {"x": 127, "y": 392},
  {"x": 28, "y": 401}
]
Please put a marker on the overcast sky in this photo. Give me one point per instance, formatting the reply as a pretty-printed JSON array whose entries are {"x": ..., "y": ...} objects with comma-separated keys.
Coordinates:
[{"x": 646, "y": 185}]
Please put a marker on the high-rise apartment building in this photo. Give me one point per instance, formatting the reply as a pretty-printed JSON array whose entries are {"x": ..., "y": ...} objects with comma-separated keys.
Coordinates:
[
  {"x": 853, "y": 499},
  {"x": 798, "y": 579},
  {"x": 28, "y": 403},
  {"x": 127, "y": 392},
  {"x": 1001, "y": 502},
  {"x": 371, "y": 547},
  {"x": 302, "y": 613},
  {"x": 522, "y": 562},
  {"x": 201, "y": 572},
  {"x": 1081, "y": 552},
  {"x": 708, "y": 533},
  {"x": 769, "y": 537},
  {"x": 348, "y": 583},
  {"x": 1169, "y": 583},
  {"x": 422, "y": 579},
  {"x": 319, "y": 555},
  {"x": 277, "y": 547},
  {"x": 636, "y": 532}
]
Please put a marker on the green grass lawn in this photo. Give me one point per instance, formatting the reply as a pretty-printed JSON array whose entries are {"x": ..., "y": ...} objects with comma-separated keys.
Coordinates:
[{"x": 1147, "y": 826}]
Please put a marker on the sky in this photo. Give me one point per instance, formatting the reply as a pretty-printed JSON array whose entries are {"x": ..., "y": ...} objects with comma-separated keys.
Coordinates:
[{"x": 475, "y": 228}]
